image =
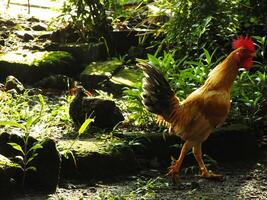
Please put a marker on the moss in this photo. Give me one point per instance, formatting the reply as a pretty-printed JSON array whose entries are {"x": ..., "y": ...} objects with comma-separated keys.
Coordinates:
[
  {"x": 50, "y": 57},
  {"x": 29, "y": 66},
  {"x": 82, "y": 148},
  {"x": 128, "y": 77},
  {"x": 34, "y": 58},
  {"x": 85, "y": 147},
  {"x": 101, "y": 68}
]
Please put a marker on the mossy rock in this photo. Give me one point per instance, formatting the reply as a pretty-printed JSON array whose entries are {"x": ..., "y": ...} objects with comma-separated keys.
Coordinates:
[
  {"x": 85, "y": 52},
  {"x": 128, "y": 77},
  {"x": 110, "y": 76},
  {"x": 29, "y": 67},
  {"x": 94, "y": 159},
  {"x": 232, "y": 142},
  {"x": 47, "y": 162},
  {"x": 8, "y": 174},
  {"x": 97, "y": 73}
]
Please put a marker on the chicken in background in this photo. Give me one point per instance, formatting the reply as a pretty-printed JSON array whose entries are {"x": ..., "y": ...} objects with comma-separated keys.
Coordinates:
[{"x": 194, "y": 118}]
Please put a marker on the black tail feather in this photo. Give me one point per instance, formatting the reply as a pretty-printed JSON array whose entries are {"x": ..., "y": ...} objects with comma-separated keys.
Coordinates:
[{"x": 157, "y": 93}]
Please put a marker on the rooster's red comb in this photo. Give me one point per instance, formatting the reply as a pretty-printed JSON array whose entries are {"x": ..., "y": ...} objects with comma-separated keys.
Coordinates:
[{"x": 245, "y": 42}]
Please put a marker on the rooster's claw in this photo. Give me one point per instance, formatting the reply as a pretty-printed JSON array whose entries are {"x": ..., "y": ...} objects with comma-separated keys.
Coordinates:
[
  {"x": 173, "y": 174},
  {"x": 212, "y": 176}
]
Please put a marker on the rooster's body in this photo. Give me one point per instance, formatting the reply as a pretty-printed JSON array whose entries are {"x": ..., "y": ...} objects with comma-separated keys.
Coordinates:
[{"x": 194, "y": 118}]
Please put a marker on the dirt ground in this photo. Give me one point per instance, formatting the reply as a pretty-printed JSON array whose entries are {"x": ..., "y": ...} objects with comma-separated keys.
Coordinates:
[{"x": 243, "y": 180}]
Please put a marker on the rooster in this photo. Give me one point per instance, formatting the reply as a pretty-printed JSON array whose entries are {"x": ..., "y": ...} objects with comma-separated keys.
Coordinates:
[{"x": 194, "y": 118}]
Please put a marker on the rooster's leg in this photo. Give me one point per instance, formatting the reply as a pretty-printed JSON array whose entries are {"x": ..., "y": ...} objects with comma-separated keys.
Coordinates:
[
  {"x": 175, "y": 168},
  {"x": 203, "y": 169}
]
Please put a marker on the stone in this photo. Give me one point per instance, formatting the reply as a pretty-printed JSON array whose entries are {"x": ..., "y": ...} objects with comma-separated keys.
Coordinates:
[
  {"x": 27, "y": 37},
  {"x": 85, "y": 53},
  {"x": 39, "y": 27},
  {"x": 29, "y": 66},
  {"x": 232, "y": 142},
  {"x": 96, "y": 159},
  {"x": 57, "y": 81},
  {"x": 13, "y": 83},
  {"x": 110, "y": 76},
  {"x": 96, "y": 73},
  {"x": 8, "y": 171},
  {"x": 2, "y": 42},
  {"x": 105, "y": 112},
  {"x": 47, "y": 162}
]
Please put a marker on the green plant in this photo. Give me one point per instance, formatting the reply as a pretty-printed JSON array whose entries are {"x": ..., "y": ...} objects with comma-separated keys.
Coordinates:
[
  {"x": 137, "y": 114},
  {"x": 27, "y": 153},
  {"x": 86, "y": 17},
  {"x": 82, "y": 129},
  {"x": 195, "y": 24},
  {"x": 249, "y": 90},
  {"x": 147, "y": 188}
]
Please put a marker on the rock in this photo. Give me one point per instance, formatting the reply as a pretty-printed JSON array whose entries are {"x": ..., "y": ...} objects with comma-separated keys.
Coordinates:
[
  {"x": 135, "y": 52},
  {"x": 85, "y": 53},
  {"x": 2, "y": 42},
  {"x": 96, "y": 160},
  {"x": 10, "y": 23},
  {"x": 39, "y": 27},
  {"x": 8, "y": 171},
  {"x": 95, "y": 74},
  {"x": 110, "y": 76},
  {"x": 105, "y": 112},
  {"x": 13, "y": 83},
  {"x": 47, "y": 163},
  {"x": 58, "y": 81},
  {"x": 27, "y": 37},
  {"x": 233, "y": 142},
  {"x": 33, "y": 19},
  {"x": 30, "y": 66}
]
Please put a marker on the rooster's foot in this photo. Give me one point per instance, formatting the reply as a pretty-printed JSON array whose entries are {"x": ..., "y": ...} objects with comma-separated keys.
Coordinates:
[
  {"x": 212, "y": 176},
  {"x": 173, "y": 173}
]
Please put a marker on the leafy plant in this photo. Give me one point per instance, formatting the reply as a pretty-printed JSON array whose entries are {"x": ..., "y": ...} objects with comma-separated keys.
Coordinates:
[
  {"x": 195, "y": 24},
  {"x": 82, "y": 129},
  {"x": 147, "y": 188},
  {"x": 249, "y": 91},
  {"x": 86, "y": 17},
  {"x": 137, "y": 114},
  {"x": 27, "y": 153}
]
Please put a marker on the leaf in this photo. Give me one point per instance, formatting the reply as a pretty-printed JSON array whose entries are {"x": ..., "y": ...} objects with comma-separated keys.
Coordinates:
[
  {"x": 31, "y": 158},
  {"x": 36, "y": 146},
  {"x": 153, "y": 59},
  {"x": 41, "y": 99},
  {"x": 16, "y": 147},
  {"x": 13, "y": 124},
  {"x": 20, "y": 158},
  {"x": 29, "y": 122},
  {"x": 73, "y": 157},
  {"x": 31, "y": 168},
  {"x": 85, "y": 125},
  {"x": 208, "y": 56}
]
